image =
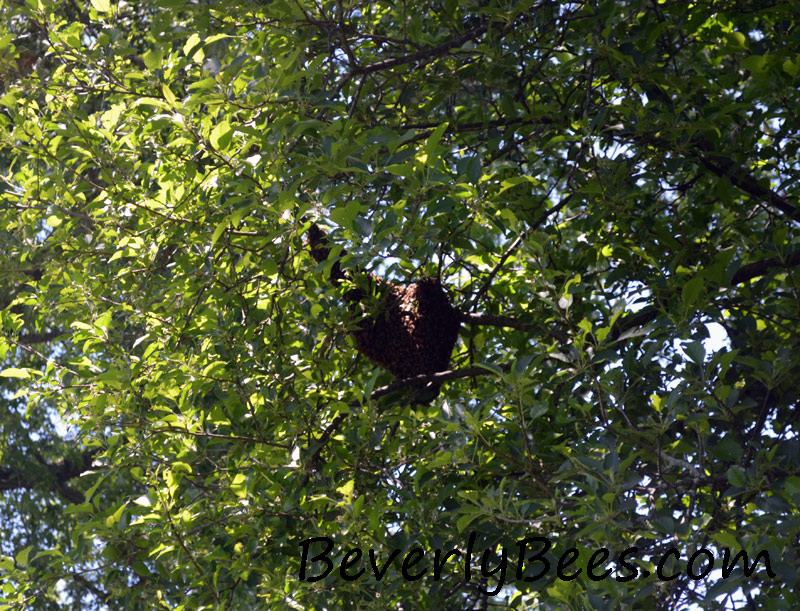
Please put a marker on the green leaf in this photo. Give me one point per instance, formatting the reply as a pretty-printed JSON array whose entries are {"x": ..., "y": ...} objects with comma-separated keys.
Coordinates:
[
  {"x": 490, "y": 367},
  {"x": 754, "y": 63},
  {"x": 347, "y": 489},
  {"x": 696, "y": 352},
  {"x": 736, "y": 476},
  {"x": 362, "y": 226},
  {"x": 22, "y": 556},
  {"x": 432, "y": 144},
  {"x": 344, "y": 216},
  {"x": 102, "y": 6},
  {"x": 193, "y": 47},
  {"x": 115, "y": 517},
  {"x": 15, "y": 372},
  {"x": 465, "y": 520},
  {"x": 221, "y": 227},
  {"x": 793, "y": 485},
  {"x": 221, "y": 135},
  {"x": 727, "y": 450},
  {"x": 9, "y": 100},
  {"x": 239, "y": 485},
  {"x": 168, "y": 95},
  {"x": 737, "y": 39},
  {"x": 181, "y": 467},
  {"x": 691, "y": 291},
  {"x": 140, "y": 568},
  {"x": 508, "y": 183},
  {"x": 153, "y": 58},
  {"x": 404, "y": 169},
  {"x": 727, "y": 539}
]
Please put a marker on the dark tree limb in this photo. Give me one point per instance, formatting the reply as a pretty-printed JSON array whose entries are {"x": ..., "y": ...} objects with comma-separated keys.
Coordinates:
[
  {"x": 39, "y": 338},
  {"x": 433, "y": 380},
  {"x": 424, "y": 53},
  {"x": 458, "y": 128},
  {"x": 492, "y": 320},
  {"x": 759, "y": 268},
  {"x": 634, "y": 320},
  {"x": 442, "y": 376},
  {"x": 85, "y": 583},
  {"x": 721, "y": 165},
  {"x": 515, "y": 244},
  {"x": 59, "y": 474},
  {"x": 14, "y": 479},
  {"x": 725, "y": 167}
]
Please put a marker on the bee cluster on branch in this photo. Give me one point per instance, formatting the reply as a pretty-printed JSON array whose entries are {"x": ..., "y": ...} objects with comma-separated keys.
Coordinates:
[{"x": 413, "y": 330}]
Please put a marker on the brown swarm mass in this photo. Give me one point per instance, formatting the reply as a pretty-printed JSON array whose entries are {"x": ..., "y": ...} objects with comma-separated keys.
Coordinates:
[{"x": 413, "y": 330}]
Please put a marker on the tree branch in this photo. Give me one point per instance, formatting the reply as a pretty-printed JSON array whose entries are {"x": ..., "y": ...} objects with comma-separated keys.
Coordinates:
[
  {"x": 100, "y": 594},
  {"x": 424, "y": 53},
  {"x": 442, "y": 376},
  {"x": 721, "y": 165},
  {"x": 492, "y": 320},
  {"x": 725, "y": 167},
  {"x": 759, "y": 268},
  {"x": 15, "y": 478},
  {"x": 436, "y": 378},
  {"x": 477, "y": 125},
  {"x": 535, "y": 225},
  {"x": 39, "y": 338}
]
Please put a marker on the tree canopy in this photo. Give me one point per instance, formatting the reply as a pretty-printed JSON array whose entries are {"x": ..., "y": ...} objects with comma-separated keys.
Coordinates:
[{"x": 608, "y": 190}]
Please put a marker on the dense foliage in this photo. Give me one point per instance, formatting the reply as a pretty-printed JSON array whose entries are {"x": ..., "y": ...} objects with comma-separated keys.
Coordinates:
[{"x": 608, "y": 188}]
